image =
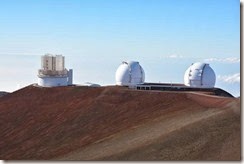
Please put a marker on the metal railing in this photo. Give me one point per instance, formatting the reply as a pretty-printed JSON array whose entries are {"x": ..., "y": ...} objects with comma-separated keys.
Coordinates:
[{"x": 42, "y": 72}]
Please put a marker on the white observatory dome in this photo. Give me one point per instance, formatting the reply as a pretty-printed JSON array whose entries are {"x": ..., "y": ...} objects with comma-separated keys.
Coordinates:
[
  {"x": 200, "y": 75},
  {"x": 129, "y": 74}
]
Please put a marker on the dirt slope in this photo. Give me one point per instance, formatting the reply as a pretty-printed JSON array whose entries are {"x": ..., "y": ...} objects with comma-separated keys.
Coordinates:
[{"x": 113, "y": 123}]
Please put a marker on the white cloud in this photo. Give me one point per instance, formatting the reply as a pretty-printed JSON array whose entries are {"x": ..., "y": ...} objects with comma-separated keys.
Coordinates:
[
  {"x": 173, "y": 56},
  {"x": 223, "y": 60},
  {"x": 18, "y": 86},
  {"x": 235, "y": 78}
]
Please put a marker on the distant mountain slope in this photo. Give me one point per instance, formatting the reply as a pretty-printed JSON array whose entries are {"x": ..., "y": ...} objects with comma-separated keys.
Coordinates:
[
  {"x": 115, "y": 123},
  {"x": 2, "y": 93}
]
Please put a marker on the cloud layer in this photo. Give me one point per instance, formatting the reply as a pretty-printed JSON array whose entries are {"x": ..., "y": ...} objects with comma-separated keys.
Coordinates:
[
  {"x": 175, "y": 56},
  {"x": 228, "y": 60},
  {"x": 223, "y": 60},
  {"x": 234, "y": 78}
]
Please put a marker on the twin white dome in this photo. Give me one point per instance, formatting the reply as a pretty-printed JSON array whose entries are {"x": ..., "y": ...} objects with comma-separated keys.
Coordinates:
[
  {"x": 129, "y": 74},
  {"x": 200, "y": 75}
]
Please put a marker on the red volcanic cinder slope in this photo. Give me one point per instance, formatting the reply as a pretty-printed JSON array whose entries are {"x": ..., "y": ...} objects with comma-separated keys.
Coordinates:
[{"x": 116, "y": 123}]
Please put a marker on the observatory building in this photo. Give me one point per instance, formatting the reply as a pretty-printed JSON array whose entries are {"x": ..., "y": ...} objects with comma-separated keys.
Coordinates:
[
  {"x": 129, "y": 74},
  {"x": 200, "y": 75},
  {"x": 53, "y": 72}
]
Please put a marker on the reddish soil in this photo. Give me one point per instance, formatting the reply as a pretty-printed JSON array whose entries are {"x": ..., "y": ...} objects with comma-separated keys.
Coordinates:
[{"x": 116, "y": 123}]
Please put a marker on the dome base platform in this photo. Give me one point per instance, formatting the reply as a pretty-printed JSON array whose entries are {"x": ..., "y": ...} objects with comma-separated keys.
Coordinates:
[{"x": 182, "y": 88}]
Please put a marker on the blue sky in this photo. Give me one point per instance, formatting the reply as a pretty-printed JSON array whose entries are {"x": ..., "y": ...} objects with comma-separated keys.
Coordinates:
[{"x": 165, "y": 36}]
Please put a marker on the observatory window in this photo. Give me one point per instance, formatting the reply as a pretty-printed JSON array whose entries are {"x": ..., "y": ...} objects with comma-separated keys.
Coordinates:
[
  {"x": 190, "y": 73},
  {"x": 46, "y": 64},
  {"x": 200, "y": 73}
]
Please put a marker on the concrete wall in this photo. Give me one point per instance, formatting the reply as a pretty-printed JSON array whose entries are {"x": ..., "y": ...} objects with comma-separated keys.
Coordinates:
[
  {"x": 59, "y": 65},
  {"x": 47, "y": 62},
  {"x": 52, "y": 81},
  {"x": 70, "y": 77}
]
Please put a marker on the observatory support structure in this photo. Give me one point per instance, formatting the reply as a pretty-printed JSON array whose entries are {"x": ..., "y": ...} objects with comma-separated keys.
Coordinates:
[
  {"x": 53, "y": 72},
  {"x": 70, "y": 77}
]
